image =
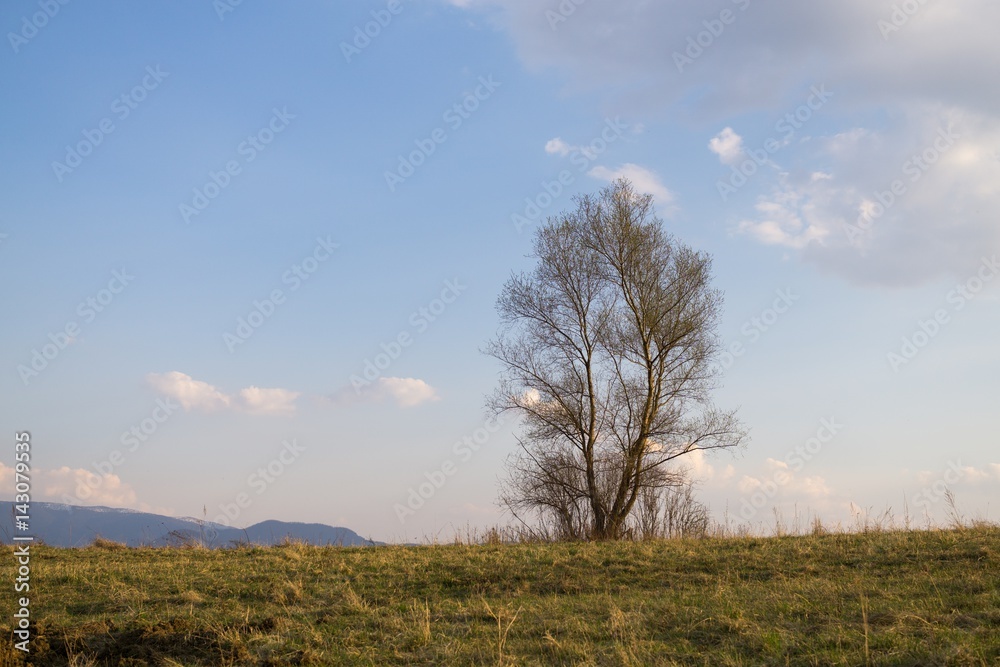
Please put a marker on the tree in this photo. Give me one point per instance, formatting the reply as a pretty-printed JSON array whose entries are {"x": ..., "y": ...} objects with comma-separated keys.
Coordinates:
[{"x": 606, "y": 350}]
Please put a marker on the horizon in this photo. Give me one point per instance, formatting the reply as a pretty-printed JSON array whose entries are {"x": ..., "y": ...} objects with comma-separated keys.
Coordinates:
[{"x": 251, "y": 253}]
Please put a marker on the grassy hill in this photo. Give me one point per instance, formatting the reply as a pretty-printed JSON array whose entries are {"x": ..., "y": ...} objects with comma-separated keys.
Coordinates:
[{"x": 879, "y": 598}]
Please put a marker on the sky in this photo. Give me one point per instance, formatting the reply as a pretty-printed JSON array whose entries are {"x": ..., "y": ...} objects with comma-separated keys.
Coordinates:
[{"x": 250, "y": 251}]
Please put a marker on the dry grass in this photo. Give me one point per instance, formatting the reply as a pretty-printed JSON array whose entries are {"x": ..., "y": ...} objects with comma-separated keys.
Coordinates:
[{"x": 877, "y": 597}]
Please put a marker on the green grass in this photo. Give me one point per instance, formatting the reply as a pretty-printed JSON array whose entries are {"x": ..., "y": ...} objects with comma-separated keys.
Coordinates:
[{"x": 879, "y": 598}]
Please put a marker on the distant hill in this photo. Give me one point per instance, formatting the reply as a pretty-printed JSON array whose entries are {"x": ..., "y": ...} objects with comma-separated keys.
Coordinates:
[{"x": 75, "y": 526}]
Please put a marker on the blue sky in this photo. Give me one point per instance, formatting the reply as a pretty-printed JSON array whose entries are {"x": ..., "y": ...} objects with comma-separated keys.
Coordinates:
[{"x": 772, "y": 138}]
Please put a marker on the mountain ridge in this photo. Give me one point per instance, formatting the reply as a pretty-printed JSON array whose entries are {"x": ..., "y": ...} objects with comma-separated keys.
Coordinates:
[{"x": 62, "y": 525}]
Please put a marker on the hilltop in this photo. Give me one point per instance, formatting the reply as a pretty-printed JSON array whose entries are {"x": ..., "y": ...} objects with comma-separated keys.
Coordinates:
[{"x": 875, "y": 598}]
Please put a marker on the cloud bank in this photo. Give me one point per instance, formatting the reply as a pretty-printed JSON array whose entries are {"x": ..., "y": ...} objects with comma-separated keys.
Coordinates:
[{"x": 901, "y": 78}]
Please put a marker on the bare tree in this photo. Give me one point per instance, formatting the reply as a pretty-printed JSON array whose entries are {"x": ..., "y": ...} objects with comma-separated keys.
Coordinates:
[
  {"x": 606, "y": 349},
  {"x": 671, "y": 512}
]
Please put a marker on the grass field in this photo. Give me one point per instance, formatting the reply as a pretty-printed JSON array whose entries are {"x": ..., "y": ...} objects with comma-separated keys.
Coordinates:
[{"x": 878, "y": 598}]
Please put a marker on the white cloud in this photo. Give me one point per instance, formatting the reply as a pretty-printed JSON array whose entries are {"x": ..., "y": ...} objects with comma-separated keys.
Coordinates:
[
  {"x": 74, "y": 486},
  {"x": 727, "y": 145},
  {"x": 404, "y": 392},
  {"x": 786, "y": 218},
  {"x": 848, "y": 221},
  {"x": 86, "y": 488},
  {"x": 780, "y": 481},
  {"x": 558, "y": 147},
  {"x": 973, "y": 475},
  {"x": 257, "y": 400},
  {"x": 965, "y": 475},
  {"x": 197, "y": 395},
  {"x": 644, "y": 180},
  {"x": 847, "y": 143},
  {"x": 190, "y": 393},
  {"x": 531, "y": 396},
  {"x": 697, "y": 466}
]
